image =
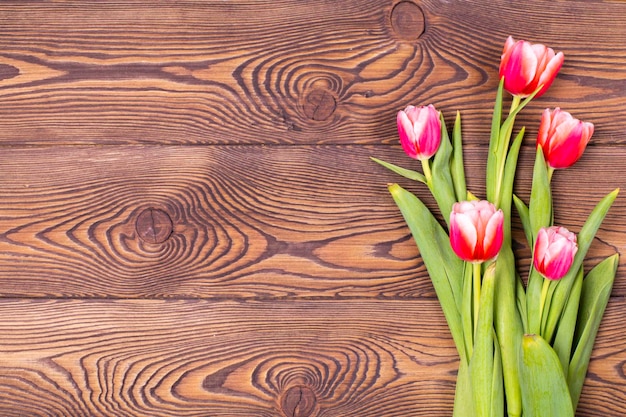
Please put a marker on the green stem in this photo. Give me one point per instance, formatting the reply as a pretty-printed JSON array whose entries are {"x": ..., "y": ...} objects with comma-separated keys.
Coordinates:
[
  {"x": 550, "y": 172},
  {"x": 427, "y": 172},
  {"x": 505, "y": 140},
  {"x": 542, "y": 302},
  {"x": 515, "y": 103},
  {"x": 477, "y": 280}
]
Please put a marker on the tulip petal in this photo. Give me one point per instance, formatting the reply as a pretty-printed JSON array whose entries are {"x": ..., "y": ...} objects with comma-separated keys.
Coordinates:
[
  {"x": 554, "y": 252},
  {"x": 559, "y": 266},
  {"x": 463, "y": 236},
  {"x": 494, "y": 235},
  {"x": 550, "y": 71},
  {"x": 563, "y": 138},
  {"x": 476, "y": 230},
  {"x": 419, "y": 129},
  {"x": 412, "y": 113},
  {"x": 544, "y": 129},
  {"x": 520, "y": 69},
  {"x": 525, "y": 67},
  {"x": 406, "y": 134},
  {"x": 508, "y": 45},
  {"x": 568, "y": 145}
]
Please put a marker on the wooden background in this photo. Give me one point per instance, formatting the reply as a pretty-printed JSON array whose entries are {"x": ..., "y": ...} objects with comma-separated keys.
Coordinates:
[{"x": 190, "y": 224}]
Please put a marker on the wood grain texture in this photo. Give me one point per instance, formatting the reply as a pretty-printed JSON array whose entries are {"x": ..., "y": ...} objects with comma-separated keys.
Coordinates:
[
  {"x": 197, "y": 358},
  {"x": 288, "y": 71},
  {"x": 77, "y": 358},
  {"x": 245, "y": 221},
  {"x": 190, "y": 224}
]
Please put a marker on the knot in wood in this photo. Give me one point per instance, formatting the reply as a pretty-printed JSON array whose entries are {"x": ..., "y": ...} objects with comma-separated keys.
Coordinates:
[
  {"x": 319, "y": 104},
  {"x": 407, "y": 20},
  {"x": 8, "y": 71},
  {"x": 154, "y": 226},
  {"x": 299, "y": 401}
]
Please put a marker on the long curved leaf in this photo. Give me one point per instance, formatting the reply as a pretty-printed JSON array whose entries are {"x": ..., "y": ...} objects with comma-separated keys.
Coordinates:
[
  {"x": 585, "y": 238},
  {"x": 495, "y": 148},
  {"x": 406, "y": 173},
  {"x": 567, "y": 326},
  {"x": 444, "y": 267},
  {"x": 482, "y": 365},
  {"x": 596, "y": 290},
  {"x": 456, "y": 164},
  {"x": 540, "y": 205},
  {"x": 544, "y": 388},
  {"x": 509, "y": 328},
  {"x": 442, "y": 186}
]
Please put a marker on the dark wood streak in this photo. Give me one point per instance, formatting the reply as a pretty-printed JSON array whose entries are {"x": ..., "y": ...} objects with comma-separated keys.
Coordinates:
[
  {"x": 293, "y": 358},
  {"x": 242, "y": 221},
  {"x": 190, "y": 224},
  {"x": 174, "y": 78}
]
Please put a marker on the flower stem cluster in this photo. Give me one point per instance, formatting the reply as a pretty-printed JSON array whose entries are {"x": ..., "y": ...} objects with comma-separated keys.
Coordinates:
[{"x": 524, "y": 345}]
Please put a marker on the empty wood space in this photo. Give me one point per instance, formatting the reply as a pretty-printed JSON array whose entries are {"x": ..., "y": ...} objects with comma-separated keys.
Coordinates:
[{"x": 190, "y": 224}]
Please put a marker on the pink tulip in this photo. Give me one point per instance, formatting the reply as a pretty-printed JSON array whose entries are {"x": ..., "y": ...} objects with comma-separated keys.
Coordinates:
[
  {"x": 554, "y": 252},
  {"x": 562, "y": 137},
  {"x": 476, "y": 230},
  {"x": 525, "y": 67},
  {"x": 420, "y": 131}
]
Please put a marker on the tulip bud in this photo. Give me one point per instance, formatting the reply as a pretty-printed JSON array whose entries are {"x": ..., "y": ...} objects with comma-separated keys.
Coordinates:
[
  {"x": 476, "y": 230},
  {"x": 554, "y": 252},
  {"x": 562, "y": 137},
  {"x": 525, "y": 67},
  {"x": 420, "y": 131}
]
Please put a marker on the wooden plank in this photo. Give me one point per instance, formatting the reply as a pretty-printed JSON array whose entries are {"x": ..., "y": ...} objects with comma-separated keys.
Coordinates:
[
  {"x": 189, "y": 358},
  {"x": 287, "y": 71},
  {"x": 184, "y": 358},
  {"x": 247, "y": 221}
]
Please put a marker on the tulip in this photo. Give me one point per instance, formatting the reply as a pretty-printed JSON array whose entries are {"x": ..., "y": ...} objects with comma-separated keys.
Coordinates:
[
  {"x": 476, "y": 230},
  {"x": 420, "y": 131},
  {"x": 554, "y": 252},
  {"x": 525, "y": 67},
  {"x": 562, "y": 137}
]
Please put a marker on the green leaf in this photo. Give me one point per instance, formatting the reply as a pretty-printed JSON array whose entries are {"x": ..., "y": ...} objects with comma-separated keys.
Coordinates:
[
  {"x": 482, "y": 362},
  {"x": 567, "y": 326},
  {"x": 495, "y": 148},
  {"x": 545, "y": 313},
  {"x": 521, "y": 303},
  {"x": 524, "y": 215},
  {"x": 463, "y": 397},
  {"x": 533, "y": 301},
  {"x": 495, "y": 170},
  {"x": 406, "y": 173},
  {"x": 457, "y": 165},
  {"x": 444, "y": 267},
  {"x": 507, "y": 125},
  {"x": 540, "y": 207},
  {"x": 508, "y": 325},
  {"x": 497, "y": 385},
  {"x": 442, "y": 187},
  {"x": 596, "y": 290},
  {"x": 467, "y": 312},
  {"x": 544, "y": 389},
  {"x": 585, "y": 238},
  {"x": 506, "y": 193}
]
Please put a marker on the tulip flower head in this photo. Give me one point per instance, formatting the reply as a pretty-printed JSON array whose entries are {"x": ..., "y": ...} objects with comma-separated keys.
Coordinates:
[
  {"x": 554, "y": 252},
  {"x": 476, "y": 230},
  {"x": 563, "y": 138},
  {"x": 525, "y": 67},
  {"x": 419, "y": 129}
]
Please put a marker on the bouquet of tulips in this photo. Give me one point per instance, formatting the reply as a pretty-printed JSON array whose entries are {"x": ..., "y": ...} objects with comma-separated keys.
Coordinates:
[{"x": 524, "y": 342}]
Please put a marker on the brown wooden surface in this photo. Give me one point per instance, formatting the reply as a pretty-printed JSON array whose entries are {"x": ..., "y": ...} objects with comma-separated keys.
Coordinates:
[{"x": 190, "y": 224}]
